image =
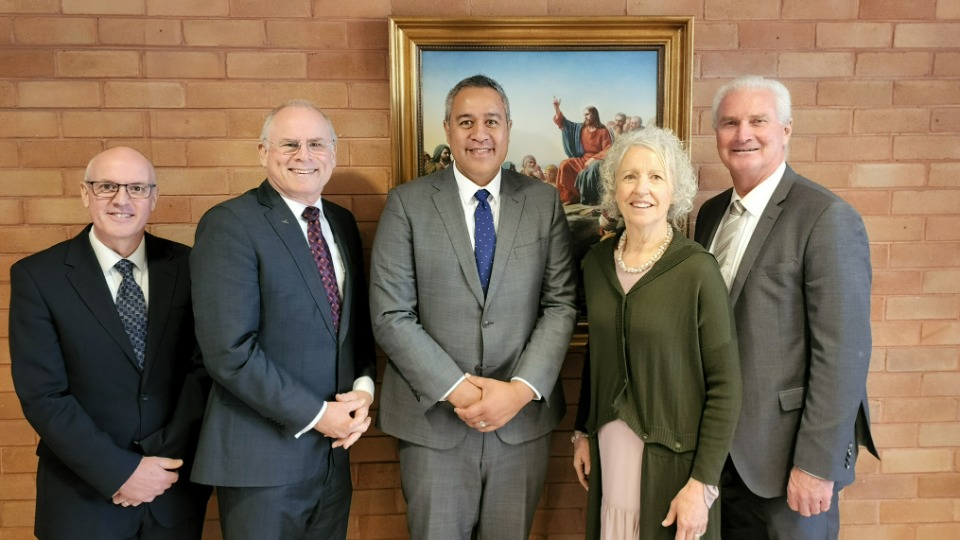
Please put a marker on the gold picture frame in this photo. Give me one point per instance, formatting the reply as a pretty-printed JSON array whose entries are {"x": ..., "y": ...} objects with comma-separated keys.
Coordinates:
[{"x": 671, "y": 38}]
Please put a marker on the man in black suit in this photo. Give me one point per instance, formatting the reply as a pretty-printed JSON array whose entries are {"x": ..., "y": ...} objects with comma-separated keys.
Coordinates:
[
  {"x": 116, "y": 392},
  {"x": 282, "y": 319}
]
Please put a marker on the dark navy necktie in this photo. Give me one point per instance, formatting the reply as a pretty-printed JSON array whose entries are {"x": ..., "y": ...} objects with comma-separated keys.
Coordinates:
[
  {"x": 485, "y": 238},
  {"x": 321, "y": 254},
  {"x": 132, "y": 309}
]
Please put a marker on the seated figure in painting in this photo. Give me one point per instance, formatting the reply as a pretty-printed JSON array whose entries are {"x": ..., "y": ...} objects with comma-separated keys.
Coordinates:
[{"x": 581, "y": 142}]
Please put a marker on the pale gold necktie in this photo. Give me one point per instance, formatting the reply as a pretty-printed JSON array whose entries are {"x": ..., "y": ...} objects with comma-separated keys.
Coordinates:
[{"x": 725, "y": 247}]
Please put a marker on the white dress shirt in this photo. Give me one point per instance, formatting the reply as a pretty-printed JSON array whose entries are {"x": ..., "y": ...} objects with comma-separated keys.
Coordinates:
[
  {"x": 753, "y": 205},
  {"x": 107, "y": 258}
]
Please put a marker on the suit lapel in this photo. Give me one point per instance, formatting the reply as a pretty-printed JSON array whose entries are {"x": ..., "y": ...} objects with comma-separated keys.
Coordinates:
[
  {"x": 449, "y": 206},
  {"x": 163, "y": 280},
  {"x": 511, "y": 208},
  {"x": 287, "y": 227},
  {"x": 88, "y": 281},
  {"x": 765, "y": 224},
  {"x": 711, "y": 219},
  {"x": 347, "y": 258}
]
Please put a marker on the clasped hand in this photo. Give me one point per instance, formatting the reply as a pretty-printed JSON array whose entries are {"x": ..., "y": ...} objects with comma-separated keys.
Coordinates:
[
  {"x": 149, "y": 480},
  {"x": 346, "y": 418},
  {"x": 488, "y": 404}
]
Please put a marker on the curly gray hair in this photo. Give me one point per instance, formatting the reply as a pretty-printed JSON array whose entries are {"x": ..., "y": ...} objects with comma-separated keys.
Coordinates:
[{"x": 672, "y": 153}]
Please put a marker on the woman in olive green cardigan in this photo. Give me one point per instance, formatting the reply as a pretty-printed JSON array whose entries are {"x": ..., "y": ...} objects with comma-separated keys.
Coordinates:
[{"x": 663, "y": 377}]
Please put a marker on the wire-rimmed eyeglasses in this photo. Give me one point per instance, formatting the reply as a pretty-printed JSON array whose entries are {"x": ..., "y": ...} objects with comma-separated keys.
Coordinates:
[
  {"x": 108, "y": 190},
  {"x": 316, "y": 147}
]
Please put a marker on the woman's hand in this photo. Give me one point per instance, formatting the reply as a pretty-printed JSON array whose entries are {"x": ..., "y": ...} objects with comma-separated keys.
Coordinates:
[
  {"x": 689, "y": 510},
  {"x": 581, "y": 460}
]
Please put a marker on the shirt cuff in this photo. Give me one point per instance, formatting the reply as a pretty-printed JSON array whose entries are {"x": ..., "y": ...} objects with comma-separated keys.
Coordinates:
[
  {"x": 537, "y": 395},
  {"x": 452, "y": 388},
  {"x": 365, "y": 384},
  {"x": 314, "y": 423}
]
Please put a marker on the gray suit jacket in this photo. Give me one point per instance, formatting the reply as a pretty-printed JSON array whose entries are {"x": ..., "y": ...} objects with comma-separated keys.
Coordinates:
[
  {"x": 432, "y": 320},
  {"x": 265, "y": 328},
  {"x": 801, "y": 299}
]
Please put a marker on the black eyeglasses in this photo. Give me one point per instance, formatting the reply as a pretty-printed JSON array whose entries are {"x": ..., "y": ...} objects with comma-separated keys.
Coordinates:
[
  {"x": 316, "y": 147},
  {"x": 108, "y": 190}
]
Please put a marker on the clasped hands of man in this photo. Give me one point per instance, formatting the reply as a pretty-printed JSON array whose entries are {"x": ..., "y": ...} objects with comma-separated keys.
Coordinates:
[{"x": 487, "y": 404}]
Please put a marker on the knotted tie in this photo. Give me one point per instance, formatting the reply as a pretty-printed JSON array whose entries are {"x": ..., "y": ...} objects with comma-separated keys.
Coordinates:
[
  {"x": 321, "y": 254},
  {"x": 132, "y": 309},
  {"x": 725, "y": 247},
  {"x": 485, "y": 238}
]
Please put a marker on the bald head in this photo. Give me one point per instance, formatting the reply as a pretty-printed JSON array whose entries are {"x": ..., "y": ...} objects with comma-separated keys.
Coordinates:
[
  {"x": 118, "y": 219},
  {"x": 123, "y": 154}
]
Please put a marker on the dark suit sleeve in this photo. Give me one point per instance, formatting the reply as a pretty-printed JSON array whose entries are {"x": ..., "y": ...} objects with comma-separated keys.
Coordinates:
[
  {"x": 837, "y": 278},
  {"x": 42, "y": 384},
  {"x": 225, "y": 269}
]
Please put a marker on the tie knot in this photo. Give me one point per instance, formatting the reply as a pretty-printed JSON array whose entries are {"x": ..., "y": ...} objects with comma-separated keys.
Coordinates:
[
  {"x": 482, "y": 195},
  {"x": 311, "y": 213},
  {"x": 125, "y": 267},
  {"x": 736, "y": 208}
]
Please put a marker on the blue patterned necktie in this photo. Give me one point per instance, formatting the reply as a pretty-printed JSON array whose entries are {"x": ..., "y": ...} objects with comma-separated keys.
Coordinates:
[
  {"x": 132, "y": 309},
  {"x": 321, "y": 255},
  {"x": 485, "y": 238}
]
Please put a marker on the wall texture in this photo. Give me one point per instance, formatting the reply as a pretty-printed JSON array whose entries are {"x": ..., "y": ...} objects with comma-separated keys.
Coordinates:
[{"x": 876, "y": 87}]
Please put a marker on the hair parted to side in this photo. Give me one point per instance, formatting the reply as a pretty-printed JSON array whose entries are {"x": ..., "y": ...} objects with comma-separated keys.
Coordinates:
[
  {"x": 671, "y": 151},
  {"x": 475, "y": 81},
  {"x": 299, "y": 103},
  {"x": 780, "y": 93}
]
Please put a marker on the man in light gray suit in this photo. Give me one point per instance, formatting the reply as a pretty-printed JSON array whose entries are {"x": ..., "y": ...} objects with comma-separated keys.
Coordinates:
[
  {"x": 475, "y": 345},
  {"x": 797, "y": 262},
  {"x": 282, "y": 319}
]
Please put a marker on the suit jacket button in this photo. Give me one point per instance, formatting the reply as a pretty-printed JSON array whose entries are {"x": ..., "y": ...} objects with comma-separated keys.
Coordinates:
[
  {"x": 486, "y": 324},
  {"x": 144, "y": 397},
  {"x": 478, "y": 369}
]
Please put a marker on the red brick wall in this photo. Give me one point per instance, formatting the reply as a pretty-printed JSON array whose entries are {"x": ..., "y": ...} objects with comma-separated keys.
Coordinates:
[{"x": 876, "y": 87}]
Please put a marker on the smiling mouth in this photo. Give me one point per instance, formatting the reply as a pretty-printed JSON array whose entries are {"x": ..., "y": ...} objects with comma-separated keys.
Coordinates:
[
  {"x": 481, "y": 151},
  {"x": 744, "y": 150},
  {"x": 641, "y": 205},
  {"x": 121, "y": 215},
  {"x": 303, "y": 171}
]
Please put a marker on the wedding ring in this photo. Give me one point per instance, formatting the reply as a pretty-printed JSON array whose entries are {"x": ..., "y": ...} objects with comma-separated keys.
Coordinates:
[{"x": 483, "y": 424}]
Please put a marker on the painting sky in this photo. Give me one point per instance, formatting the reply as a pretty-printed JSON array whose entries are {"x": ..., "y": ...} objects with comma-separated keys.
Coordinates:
[{"x": 612, "y": 81}]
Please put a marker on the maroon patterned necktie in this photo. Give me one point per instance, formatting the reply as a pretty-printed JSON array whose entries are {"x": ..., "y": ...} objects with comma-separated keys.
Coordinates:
[{"x": 321, "y": 254}]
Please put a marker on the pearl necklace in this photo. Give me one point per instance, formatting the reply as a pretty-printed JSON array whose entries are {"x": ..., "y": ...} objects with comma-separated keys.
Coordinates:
[{"x": 645, "y": 266}]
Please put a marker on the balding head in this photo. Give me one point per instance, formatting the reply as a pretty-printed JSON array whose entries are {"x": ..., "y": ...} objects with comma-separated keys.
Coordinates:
[{"x": 119, "y": 219}]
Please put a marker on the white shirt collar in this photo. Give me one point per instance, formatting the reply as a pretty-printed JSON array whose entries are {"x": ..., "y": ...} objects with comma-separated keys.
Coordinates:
[
  {"x": 755, "y": 201},
  {"x": 108, "y": 257},
  {"x": 468, "y": 189},
  {"x": 298, "y": 207}
]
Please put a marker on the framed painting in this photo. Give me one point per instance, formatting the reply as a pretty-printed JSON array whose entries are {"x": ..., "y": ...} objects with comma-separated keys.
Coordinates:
[
  {"x": 631, "y": 71},
  {"x": 627, "y": 68}
]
